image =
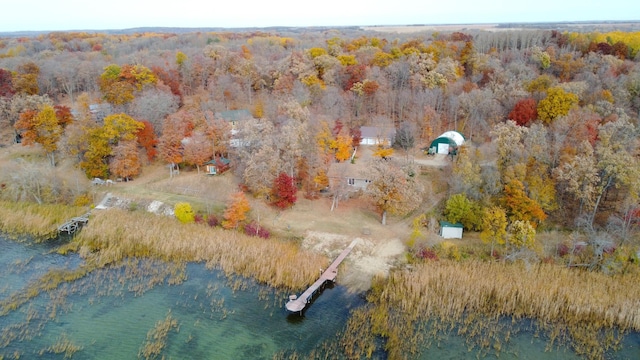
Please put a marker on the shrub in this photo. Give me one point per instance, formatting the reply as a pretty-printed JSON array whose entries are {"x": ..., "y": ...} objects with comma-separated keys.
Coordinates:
[
  {"x": 426, "y": 253},
  {"x": 563, "y": 250},
  {"x": 449, "y": 250},
  {"x": 82, "y": 200},
  {"x": 212, "y": 220},
  {"x": 198, "y": 218},
  {"x": 184, "y": 212},
  {"x": 254, "y": 229}
]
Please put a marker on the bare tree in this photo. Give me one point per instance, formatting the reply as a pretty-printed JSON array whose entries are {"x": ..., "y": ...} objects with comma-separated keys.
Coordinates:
[{"x": 392, "y": 189}]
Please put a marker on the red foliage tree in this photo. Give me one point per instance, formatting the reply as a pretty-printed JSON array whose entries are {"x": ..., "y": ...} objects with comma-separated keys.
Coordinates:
[
  {"x": 284, "y": 191},
  {"x": 355, "y": 73},
  {"x": 63, "y": 114},
  {"x": 525, "y": 111},
  {"x": 356, "y": 136},
  {"x": 6, "y": 86},
  {"x": 148, "y": 140},
  {"x": 370, "y": 87},
  {"x": 171, "y": 78},
  {"x": 337, "y": 128}
]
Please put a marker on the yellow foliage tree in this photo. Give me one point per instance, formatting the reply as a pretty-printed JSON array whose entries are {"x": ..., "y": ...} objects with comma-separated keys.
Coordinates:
[
  {"x": 383, "y": 152},
  {"x": 347, "y": 60},
  {"x": 521, "y": 234},
  {"x": 342, "y": 147},
  {"x": 316, "y": 51},
  {"x": 382, "y": 59},
  {"x": 494, "y": 226},
  {"x": 557, "y": 103},
  {"x": 321, "y": 179}
]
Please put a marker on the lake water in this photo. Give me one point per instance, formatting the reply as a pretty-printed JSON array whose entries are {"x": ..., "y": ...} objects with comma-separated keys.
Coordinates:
[{"x": 108, "y": 314}]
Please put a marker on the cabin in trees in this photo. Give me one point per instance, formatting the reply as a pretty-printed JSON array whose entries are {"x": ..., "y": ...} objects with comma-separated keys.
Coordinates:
[
  {"x": 450, "y": 230},
  {"x": 447, "y": 143},
  {"x": 217, "y": 166},
  {"x": 348, "y": 177},
  {"x": 374, "y": 135}
]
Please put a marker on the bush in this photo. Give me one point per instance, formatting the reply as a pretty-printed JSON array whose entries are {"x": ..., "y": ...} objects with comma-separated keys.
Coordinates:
[
  {"x": 212, "y": 220},
  {"x": 449, "y": 250},
  {"x": 563, "y": 250},
  {"x": 254, "y": 229},
  {"x": 426, "y": 253},
  {"x": 198, "y": 218},
  {"x": 81, "y": 200},
  {"x": 184, "y": 212}
]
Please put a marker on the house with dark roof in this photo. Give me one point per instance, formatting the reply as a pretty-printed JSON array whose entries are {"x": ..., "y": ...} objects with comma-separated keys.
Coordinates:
[{"x": 217, "y": 166}]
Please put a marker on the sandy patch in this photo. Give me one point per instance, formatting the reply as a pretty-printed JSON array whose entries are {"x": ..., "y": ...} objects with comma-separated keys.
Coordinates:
[{"x": 368, "y": 258}]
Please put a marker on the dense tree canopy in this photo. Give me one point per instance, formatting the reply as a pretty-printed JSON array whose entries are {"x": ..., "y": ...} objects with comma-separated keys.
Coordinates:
[{"x": 549, "y": 117}]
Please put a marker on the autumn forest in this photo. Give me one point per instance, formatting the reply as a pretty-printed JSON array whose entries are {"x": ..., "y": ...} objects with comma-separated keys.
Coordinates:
[{"x": 550, "y": 120}]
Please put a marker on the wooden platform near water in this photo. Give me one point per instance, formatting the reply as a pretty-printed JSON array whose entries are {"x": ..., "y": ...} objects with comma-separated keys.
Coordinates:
[
  {"x": 297, "y": 303},
  {"x": 74, "y": 224}
]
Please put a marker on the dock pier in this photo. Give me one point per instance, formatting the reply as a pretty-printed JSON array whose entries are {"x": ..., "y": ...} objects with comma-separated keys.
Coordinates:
[
  {"x": 298, "y": 303},
  {"x": 72, "y": 225}
]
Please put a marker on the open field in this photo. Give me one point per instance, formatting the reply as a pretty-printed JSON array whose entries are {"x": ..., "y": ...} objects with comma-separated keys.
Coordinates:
[{"x": 495, "y": 27}]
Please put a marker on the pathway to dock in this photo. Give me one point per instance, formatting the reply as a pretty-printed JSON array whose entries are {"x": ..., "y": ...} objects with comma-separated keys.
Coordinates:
[
  {"x": 74, "y": 224},
  {"x": 297, "y": 303}
]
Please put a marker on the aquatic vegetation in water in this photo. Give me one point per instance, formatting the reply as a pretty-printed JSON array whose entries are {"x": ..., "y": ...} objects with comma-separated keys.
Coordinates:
[
  {"x": 157, "y": 338},
  {"x": 588, "y": 311},
  {"x": 62, "y": 346}
]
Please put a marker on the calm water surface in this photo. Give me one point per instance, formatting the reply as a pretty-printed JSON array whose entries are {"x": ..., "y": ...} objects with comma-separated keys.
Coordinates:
[{"x": 108, "y": 314}]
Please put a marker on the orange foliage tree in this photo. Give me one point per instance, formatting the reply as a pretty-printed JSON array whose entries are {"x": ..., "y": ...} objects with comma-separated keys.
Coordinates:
[
  {"x": 41, "y": 127},
  {"x": 519, "y": 206},
  {"x": 125, "y": 163},
  {"x": 147, "y": 139},
  {"x": 236, "y": 211}
]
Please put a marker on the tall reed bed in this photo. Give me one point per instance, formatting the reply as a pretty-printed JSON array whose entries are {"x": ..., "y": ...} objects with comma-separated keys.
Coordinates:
[
  {"x": 564, "y": 302},
  {"x": 115, "y": 234},
  {"x": 38, "y": 220}
]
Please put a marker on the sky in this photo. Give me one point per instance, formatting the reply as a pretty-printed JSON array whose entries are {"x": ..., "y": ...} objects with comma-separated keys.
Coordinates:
[{"x": 68, "y": 15}]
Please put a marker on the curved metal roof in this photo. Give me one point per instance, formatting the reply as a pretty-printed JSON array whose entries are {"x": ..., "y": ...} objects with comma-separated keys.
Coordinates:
[{"x": 453, "y": 135}]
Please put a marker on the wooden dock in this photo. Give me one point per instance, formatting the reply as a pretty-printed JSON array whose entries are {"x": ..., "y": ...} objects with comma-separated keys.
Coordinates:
[
  {"x": 297, "y": 303},
  {"x": 74, "y": 224}
]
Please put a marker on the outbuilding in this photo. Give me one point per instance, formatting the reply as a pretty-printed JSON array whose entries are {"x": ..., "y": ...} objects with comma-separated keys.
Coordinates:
[
  {"x": 447, "y": 143},
  {"x": 450, "y": 230}
]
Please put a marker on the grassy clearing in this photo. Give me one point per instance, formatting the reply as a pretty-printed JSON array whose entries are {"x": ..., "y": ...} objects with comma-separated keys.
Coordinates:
[
  {"x": 585, "y": 309},
  {"x": 39, "y": 221},
  {"x": 116, "y": 234}
]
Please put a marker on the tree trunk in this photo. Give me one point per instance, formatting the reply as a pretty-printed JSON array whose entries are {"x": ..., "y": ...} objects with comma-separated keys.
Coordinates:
[
  {"x": 595, "y": 207},
  {"x": 52, "y": 158},
  {"x": 384, "y": 217}
]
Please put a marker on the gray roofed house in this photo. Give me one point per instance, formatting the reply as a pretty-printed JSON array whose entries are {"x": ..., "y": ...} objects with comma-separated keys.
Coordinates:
[
  {"x": 373, "y": 135},
  {"x": 233, "y": 116}
]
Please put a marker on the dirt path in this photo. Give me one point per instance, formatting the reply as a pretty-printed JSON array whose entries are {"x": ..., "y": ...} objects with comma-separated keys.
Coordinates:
[{"x": 369, "y": 257}]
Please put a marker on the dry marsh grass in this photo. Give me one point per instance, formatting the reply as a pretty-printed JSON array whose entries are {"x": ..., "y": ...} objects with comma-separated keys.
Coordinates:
[
  {"x": 39, "y": 221},
  {"x": 115, "y": 234},
  {"x": 588, "y": 310}
]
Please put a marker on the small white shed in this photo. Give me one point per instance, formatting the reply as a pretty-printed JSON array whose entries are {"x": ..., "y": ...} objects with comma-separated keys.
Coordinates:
[{"x": 450, "y": 230}]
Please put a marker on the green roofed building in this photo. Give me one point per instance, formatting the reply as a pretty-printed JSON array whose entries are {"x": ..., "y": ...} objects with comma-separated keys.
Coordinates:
[
  {"x": 450, "y": 230},
  {"x": 447, "y": 143}
]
